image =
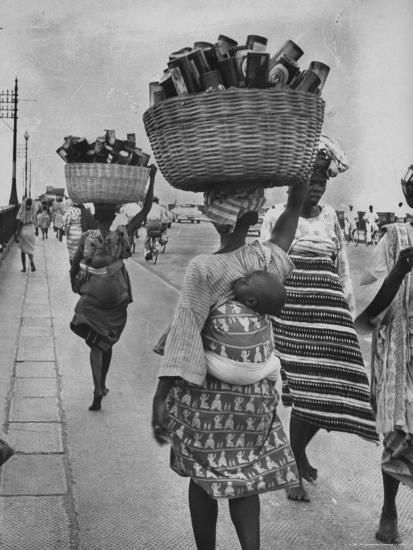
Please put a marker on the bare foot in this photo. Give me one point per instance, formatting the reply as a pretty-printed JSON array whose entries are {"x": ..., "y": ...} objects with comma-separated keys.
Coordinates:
[
  {"x": 308, "y": 472},
  {"x": 298, "y": 493},
  {"x": 388, "y": 531},
  {"x": 96, "y": 405}
]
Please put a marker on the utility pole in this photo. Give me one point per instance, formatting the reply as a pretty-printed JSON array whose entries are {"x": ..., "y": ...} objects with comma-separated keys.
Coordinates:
[
  {"x": 26, "y": 137},
  {"x": 8, "y": 109}
]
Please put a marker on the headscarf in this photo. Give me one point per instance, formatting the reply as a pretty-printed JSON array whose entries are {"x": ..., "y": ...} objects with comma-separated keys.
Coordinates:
[
  {"x": 24, "y": 215},
  {"x": 225, "y": 209},
  {"x": 330, "y": 157}
]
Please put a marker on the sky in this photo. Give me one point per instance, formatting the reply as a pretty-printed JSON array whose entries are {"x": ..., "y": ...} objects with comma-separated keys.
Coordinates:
[{"x": 88, "y": 64}]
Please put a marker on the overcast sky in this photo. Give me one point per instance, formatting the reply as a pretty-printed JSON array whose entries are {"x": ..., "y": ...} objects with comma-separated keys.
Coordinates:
[{"x": 88, "y": 64}]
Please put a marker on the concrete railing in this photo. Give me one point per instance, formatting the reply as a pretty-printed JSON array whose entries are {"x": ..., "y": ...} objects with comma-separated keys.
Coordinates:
[{"x": 7, "y": 227}]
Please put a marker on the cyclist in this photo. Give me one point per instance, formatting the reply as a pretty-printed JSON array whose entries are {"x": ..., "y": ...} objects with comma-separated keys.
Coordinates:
[
  {"x": 156, "y": 226},
  {"x": 371, "y": 218}
]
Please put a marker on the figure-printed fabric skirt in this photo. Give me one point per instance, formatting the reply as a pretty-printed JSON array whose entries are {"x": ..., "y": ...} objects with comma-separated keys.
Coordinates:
[
  {"x": 323, "y": 373},
  {"x": 229, "y": 438}
]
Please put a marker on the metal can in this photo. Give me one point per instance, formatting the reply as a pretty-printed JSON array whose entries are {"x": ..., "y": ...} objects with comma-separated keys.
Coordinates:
[
  {"x": 257, "y": 69},
  {"x": 211, "y": 80},
  {"x": 307, "y": 82},
  {"x": 199, "y": 64},
  {"x": 177, "y": 79},
  {"x": 124, "y": 157},
  {"x": 225, "y": 43},
  {"x": 202, "y": 45},
  {"x": 256, "y": 43},
  {"x": 284, "y": 71},
  {"x": 228, "y": 69},
  {"x": 131, "y": 139},
  {"x": 167, "y": 84},
  {"x": 321, "y": 70},
  {"x": 187, "y": 74}
]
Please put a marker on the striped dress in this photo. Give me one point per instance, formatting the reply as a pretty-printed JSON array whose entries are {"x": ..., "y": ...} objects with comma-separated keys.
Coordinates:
[
  {"x": 226, "y": 437},
  {"x": 324, "y": 378}
]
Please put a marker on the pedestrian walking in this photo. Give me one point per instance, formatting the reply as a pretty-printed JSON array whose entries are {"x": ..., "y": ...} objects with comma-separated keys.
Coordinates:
[
  {"x": 99, "y": 275},
  {"x": 157, "y": 224},
  {"x": 350, "y": 223},
  {"x": 389, "y": 315},
  {"x": 372, "y": 219},
  {"x": 324, "y": 378},
  {"x": 225, "y": 437},
  {"x": 58, "y": 217},
  {"x": 44, "y": 220},
  {"x": 77, "y": 220},
  {"x": 25, "y": 232}
]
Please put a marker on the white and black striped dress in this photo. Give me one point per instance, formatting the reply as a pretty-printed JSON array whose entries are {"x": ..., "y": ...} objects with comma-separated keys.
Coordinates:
[{"x": 324, "y": 378}]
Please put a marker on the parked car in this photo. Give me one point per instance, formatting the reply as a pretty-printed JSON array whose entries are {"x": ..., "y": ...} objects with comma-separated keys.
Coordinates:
[
  {"x": 187, "y": 213},
  {"x": 255, "y": 230}
]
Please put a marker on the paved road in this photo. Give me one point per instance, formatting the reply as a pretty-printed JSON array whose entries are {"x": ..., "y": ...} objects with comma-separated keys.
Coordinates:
[{"x": 120, "y": 493}]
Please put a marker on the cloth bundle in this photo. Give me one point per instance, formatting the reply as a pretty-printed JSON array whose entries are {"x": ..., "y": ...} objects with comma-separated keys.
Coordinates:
[{"x": 227, "y": 209}]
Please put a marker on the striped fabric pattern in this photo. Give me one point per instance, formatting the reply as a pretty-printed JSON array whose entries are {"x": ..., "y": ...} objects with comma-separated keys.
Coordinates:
[
  {"x": 73, "y": 229},
  {"x": 225, "y": 210},
  {"x": 323, "y": 373}
]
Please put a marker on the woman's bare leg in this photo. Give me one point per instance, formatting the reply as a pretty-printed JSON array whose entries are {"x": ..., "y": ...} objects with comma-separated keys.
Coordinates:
[
  {"x": 388, "y": 531},
  {"x": 96, "y": 364},
  {"x": 204, "y": 514},
  {"x": 245, "y": 515},
  {"x": 107, "y": 358},
  {"x": 23, "y": 258},
  {"x": 31, "y": 258}
]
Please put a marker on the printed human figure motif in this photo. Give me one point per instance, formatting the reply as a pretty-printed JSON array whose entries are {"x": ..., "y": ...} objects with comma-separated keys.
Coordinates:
[
  {"x": 180, "y": 432},
  {"x": 204, "y": 401},
  {"x": 238, "y": 404},
  {"x": 211, "y": 460},
  {"x": 277, "y": 441},
  {"x": 216, "y": 404},
  {"x": 245, "y": 356},
  {"x": 212, "y": 346},
  {"x": 198, "y": 470},
  {"x": 290, "y": 476},
  {"x": 218, "y": 421},
  {"x": 266, "y": 349},
  {"x": 278, "y": 477},
  {"x": 222, "y": 325},
  {"x": 257, "y": 356},
  {"x": 261, "y": 484},
  {"x": 197, "y": 442},
  {"x": 215, "y": 488},
  {"x": 240, "y": 441},
  {"x": 210, "y": 442},
  {"x": 186, "y": 414},
  {"x": 251, "y": 456},
  {"x": 250, "y": 423},
  {"x": 240, "y": 474},
  {"x": 173, "y": 411},
  {"x": 222, "y": 460},
  {"x": 186, "y": 399},
  {"x": 196, "y": 421},
  {"x": 229, "y": 440},
  {"x": 222, "y": 352},
  {"x": 240, "y": 456},
  {"x": 250, "y": 407},
  {"x": 229, "y": 491},
  {"x": 249, "y": 486},
  {"x": 270, "y": 463},
  {"x": 258, "y": 468},
  {"x": 229, "y": 423}
]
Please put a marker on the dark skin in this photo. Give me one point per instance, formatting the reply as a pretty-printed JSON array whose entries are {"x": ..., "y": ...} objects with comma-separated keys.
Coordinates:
[
  {"x": 388, "y": 531},
  {"x": 104, "y": 215},
  {"x": 204, "y": 509}
]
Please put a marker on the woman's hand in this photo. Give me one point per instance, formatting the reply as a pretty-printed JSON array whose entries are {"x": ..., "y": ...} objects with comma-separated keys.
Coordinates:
[
  {"x": 16, "y": 238},
  {"x": 159, "y": 420},
  {"x": 404, "y": 262}
]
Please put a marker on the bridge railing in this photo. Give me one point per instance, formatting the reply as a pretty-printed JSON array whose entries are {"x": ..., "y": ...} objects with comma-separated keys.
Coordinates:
[{"x": 7, "y": 224}]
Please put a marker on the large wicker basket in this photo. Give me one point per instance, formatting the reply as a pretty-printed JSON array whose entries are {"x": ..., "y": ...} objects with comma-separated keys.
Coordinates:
[
  {"x": 235, "y": 138},
  {"x": 105, "y": 183}
]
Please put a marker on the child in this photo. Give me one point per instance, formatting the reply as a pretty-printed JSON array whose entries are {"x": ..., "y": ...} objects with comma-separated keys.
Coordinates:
[{"x": 238, "y": 337}]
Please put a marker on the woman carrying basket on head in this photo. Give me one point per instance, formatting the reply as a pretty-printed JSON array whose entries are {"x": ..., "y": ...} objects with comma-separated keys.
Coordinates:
[
  {"x": 324, "y": 378},
  {"x": 99, "y": 275},
  {"x": 226, "y": 437}
]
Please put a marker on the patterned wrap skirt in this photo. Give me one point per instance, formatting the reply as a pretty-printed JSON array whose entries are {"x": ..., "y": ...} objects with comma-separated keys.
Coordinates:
[
  {"x": 228, "y": 438},
  {"x": 324, "y": 378}
]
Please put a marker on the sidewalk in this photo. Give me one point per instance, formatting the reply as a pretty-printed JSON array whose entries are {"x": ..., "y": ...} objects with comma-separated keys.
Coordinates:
[{"x": 98, "y": 481}]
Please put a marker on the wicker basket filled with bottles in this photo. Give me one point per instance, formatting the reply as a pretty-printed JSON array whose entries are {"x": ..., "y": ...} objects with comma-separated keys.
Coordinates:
[
  {"x": 108, "y": 170},
  {"x": 235, "y": 137},
  {"x": 105, "y": 183}
]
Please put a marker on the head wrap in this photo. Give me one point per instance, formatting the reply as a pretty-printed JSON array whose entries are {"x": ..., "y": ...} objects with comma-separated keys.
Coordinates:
[
  {"x": 26, "y": 215},
  {"x": 227, "y": 209},
  {"x": 330, "y": 157}
]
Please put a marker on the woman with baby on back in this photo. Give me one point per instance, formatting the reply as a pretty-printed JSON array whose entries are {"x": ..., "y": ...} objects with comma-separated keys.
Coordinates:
[{"x": 216, "y": 399}]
